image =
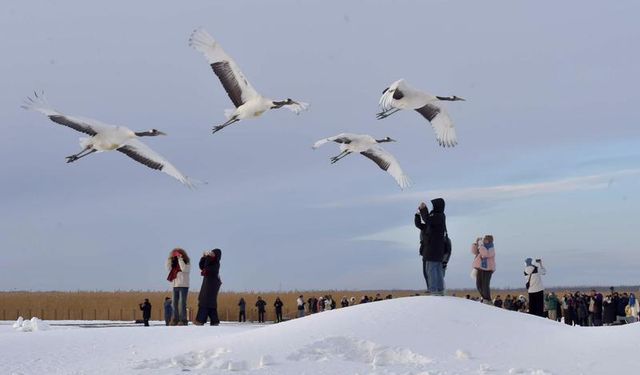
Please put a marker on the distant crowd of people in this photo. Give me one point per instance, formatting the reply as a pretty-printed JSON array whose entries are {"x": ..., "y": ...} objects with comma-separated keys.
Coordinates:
[
  {"x": 577, "y": 309},
  {"x": 304, "y": 306}
]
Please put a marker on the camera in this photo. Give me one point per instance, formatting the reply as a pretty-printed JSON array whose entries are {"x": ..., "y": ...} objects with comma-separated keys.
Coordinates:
[{"x": 538, "y": 260}]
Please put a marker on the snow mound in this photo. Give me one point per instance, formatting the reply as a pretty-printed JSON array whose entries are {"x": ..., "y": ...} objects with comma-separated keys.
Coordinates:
[
  {"x": 408, "y": 336},
  {"x": 356, "y": 350},
  {"x": 32, "y": 325}
]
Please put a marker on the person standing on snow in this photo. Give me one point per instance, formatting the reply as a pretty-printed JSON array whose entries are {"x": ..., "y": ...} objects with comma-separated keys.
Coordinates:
[
  {"x": 300, "y": 302},
  {"x": 178, "y": 265},
  {"x": 260, "y": 304},
  {"x": 211, "y": 283},
  {"x": 242, "y": 315},
  {"x": 146, "y": 311},
  {"x": 278, "y": 306},
  {"x": 432, "y": 244},
  {"x": 533, "y": 283},
  {"x": 485, "y": 264},
  {"x": 168, "y": 310}
]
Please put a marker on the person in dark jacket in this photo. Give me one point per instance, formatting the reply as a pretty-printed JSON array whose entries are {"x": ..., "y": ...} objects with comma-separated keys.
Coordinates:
[
  {"x": 608, "y": 310},
  {"x": 312, "y": 302},
  {"x": 582, "y": 309},
  {"x": 278, "y": 306},
  {"x": 168, "y": 310},
  {"x": 260, "y": 304},
  {"x": 211, "y": 283},
  {"x": 146, "y": 311},
  {"x": 597, "y": 308},
  {"x": 623, "y": 301},
  {"x": 497, "y": 302},
  {"x": 432, "y": 228},
  {"x": 242, "y": 306}
]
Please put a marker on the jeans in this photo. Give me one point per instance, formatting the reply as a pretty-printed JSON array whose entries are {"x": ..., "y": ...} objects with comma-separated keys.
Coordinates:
[
  {"x": 424, "y": 272},
  {"x": 180, "y": 303},
  {"x": 435, "y": 277}
]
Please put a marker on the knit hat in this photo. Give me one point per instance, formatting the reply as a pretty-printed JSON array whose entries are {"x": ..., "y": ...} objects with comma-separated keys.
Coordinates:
[{"x": 528, "y": 261}]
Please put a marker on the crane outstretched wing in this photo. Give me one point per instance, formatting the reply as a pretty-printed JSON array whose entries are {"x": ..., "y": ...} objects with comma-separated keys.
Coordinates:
[
  {"x": 40, "y": 104},
  {"x": 143, "y": 154},
  {"x": 233, "y": 80},
  {"x": 441, "y": 123},
  {"x": 387, "y": 162}
]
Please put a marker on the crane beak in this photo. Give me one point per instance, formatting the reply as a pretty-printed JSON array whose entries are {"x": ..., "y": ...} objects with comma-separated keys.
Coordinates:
[
  {"x": 461, "y": 99},
  {"x": 161, "y": 133}
]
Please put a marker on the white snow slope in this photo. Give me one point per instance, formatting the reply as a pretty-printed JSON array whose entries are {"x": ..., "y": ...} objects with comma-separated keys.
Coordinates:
[{"x": 415, "y": 335}]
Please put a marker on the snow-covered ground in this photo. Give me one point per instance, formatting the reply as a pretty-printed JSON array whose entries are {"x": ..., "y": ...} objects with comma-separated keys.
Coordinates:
[{"x": 414, "y": 335}]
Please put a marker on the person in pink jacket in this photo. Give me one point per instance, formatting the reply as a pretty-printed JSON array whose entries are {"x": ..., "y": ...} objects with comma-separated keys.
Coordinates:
[{"x": 484, "y": 265}]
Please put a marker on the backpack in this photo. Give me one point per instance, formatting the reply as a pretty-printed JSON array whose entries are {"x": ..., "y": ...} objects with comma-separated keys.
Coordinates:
[{"x": 447, "y": 247}]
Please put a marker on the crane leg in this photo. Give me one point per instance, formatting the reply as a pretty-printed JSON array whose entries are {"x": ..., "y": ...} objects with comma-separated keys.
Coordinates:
[
  {"x": 386, "y": 113},
  {"x": 340, "y": 156},
  {"x": 80, "y": 154},
  {"x": 220, "y": 127}
]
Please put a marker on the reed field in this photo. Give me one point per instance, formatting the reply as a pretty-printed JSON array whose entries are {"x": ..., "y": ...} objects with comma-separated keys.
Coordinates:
[{"x": 123, "y": 305}]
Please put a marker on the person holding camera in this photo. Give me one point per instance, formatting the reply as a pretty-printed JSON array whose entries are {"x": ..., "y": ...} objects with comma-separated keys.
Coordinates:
[
  {"x": 146, "y": 311},
  {"x": 179, "y": 268},
  {"x": 533, "y": 275},
  {"x": 211, "y": 283},
  {"x": 432, "y": 227},
  {"x": 484, "y": 264}
]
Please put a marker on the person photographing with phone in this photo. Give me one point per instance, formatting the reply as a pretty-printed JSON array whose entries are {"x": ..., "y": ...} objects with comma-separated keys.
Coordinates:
[
  {"x": 433, "y": 244},
  {"x": 484, "y": 264},
  {"x": 178, "y": 265},
  {"x": 533, "y": 282}
]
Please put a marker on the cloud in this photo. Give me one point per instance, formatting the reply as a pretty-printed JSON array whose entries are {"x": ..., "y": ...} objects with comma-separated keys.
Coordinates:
[{"x": 498, "y": 192}]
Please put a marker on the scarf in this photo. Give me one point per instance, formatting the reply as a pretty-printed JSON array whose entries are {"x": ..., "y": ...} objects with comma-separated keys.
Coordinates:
[
  {"x": 175, "y": 268},
  {"x": 484, "y": 262}
]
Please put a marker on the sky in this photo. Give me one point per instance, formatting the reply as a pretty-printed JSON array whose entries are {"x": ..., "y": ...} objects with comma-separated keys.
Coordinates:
[{"x": 548, "y": 159}]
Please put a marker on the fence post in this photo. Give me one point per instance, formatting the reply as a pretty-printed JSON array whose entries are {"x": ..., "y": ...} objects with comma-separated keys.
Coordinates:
[
  {"x": 121, "y": 319},
  {"x": 81, "y": 314},
  {"x": 17, "y": 313},
  {"x": 42, "y": 314},
  {"x": 133, "y": 314},
  {"x": 55, "y": 314},
  {"x": 30, "y": 315},
  {"x": 68, "y": 314},
  {"x": 4, "y": 315},
  {"x": 227, "y": 314},
  {"x": 108, "y": 314}
]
